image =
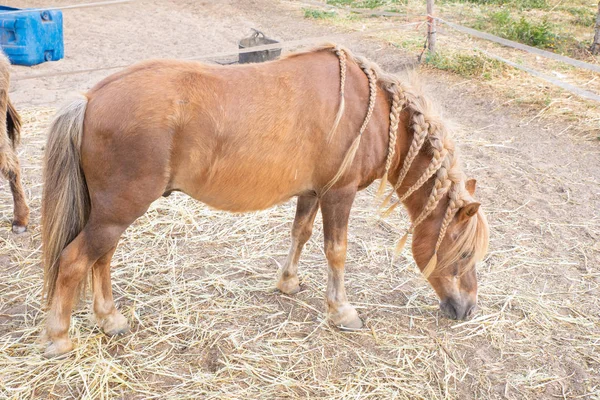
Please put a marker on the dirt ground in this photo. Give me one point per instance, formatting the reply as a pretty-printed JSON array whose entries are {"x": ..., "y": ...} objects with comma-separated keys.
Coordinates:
[{"x": 206, "y": 322}]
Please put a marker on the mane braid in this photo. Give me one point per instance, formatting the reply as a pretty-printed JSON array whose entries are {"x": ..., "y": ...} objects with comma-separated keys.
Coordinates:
[
  {"x": 420, "y": 133},
  {"x": 397, "y": 105},
  {"x": 440, "y": 187},
  {"x": 342, "y": 57},
  {"x": 351, "y": 153}
]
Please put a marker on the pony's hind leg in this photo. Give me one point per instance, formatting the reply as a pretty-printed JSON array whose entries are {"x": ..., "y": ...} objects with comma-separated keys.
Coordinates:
[
  {"x": 9, "y": 162},
  {"x": 9, "y": 166},
  {"x": 306, "y": 210},
  {"x": 75, "y": 261},
  {"x": 106, "y": 314},
  {"x": 335, "y": 207}
]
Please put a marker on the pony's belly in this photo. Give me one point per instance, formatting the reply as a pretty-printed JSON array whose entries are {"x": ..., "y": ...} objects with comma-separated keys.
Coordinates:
[
  {"x": 241, "y": 195},
  {"x": 233, "y": 177},
  {"x": 239, "y": 201},
  {"x": 241, "y": 204}
]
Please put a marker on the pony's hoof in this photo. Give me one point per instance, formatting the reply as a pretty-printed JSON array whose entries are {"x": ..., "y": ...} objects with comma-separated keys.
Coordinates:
[
  {"x": 58, "y": 348},
  {"x": 346, "y": 318},
  {"x": 18, "y": 229},
  {"x": 114, "y": 324},
  {"x": 289, "y": 286}
]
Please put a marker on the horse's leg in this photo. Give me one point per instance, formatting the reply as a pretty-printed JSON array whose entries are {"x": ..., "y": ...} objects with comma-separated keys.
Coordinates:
[
  {"x": 306, "y": 210},
  {"x": 106, "y": 314},
  {"x": 9, "y": 162},
  {"x": 9, "y": 167},
  {"x": 335, "y": 207},
  {"x": 12, "y": 171},
  {"x": 96, "y": 239}
]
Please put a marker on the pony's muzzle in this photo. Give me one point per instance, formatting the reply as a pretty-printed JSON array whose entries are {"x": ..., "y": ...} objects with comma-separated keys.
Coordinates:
[{"x": 461, "y": 309}]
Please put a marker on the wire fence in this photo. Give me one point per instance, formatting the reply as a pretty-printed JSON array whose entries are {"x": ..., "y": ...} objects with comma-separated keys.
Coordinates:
[{"x": 430, "y": 39}]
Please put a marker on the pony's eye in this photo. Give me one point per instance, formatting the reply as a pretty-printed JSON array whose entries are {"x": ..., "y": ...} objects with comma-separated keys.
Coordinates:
[{"x": 465, "y": 255}]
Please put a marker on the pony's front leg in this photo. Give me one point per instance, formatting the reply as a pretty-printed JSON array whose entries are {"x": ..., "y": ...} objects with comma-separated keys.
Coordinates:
[
  {"x": 306, "y": 210},
  {"x": 335, "y": 207},
  {"x": 106, "y": 314}
]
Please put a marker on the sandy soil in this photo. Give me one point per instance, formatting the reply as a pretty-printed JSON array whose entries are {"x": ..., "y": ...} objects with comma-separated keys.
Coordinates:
[{"x": 537, "y": 335}]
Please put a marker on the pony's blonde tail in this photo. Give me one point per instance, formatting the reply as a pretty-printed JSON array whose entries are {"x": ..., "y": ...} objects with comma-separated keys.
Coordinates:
[{"x": 65, "y": 198}]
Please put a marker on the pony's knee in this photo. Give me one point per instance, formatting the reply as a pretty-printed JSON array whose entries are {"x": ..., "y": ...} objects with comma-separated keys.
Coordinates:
[
  {"x": 88, "y": 247},
  {"x": 71, "y": 266},
  {"x": 302, "y": 234},
  {"x": 335, "y": 253}
]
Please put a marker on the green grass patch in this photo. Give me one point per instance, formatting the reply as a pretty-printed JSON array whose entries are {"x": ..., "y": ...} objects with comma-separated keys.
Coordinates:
[
  {"x": 318, "y": 14},
  {"x": 518, "y": 4},
  {"x": 473, "y": 65},
  {"x": 341, "y": 2},
  {"x": 537, "y": 34},
  {"x": 363, "y": 3},
  {"x": 410, "y": 43},
  {"x": 583, "y": 16}
]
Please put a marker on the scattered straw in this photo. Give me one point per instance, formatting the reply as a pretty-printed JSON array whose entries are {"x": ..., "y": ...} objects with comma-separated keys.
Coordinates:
[{"x": 197, "y": 286}]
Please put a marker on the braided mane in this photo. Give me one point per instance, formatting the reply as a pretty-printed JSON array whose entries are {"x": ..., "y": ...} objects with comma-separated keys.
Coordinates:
[{"x": 430, "y": 135}]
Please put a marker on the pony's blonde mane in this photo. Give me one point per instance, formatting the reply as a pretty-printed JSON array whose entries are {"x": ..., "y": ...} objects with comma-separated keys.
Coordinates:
[
  {"x": 433, "y": 136},
  {"x": 430, "y": 134},
  {"x": 472, "y": 241}
]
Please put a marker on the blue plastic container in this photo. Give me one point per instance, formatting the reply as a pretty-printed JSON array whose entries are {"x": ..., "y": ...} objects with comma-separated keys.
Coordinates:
[{"x": 31, "y": 37}]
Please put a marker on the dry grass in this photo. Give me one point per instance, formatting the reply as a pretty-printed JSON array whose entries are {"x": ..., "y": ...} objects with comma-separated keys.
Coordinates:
[{"x": 198, "y": 288}]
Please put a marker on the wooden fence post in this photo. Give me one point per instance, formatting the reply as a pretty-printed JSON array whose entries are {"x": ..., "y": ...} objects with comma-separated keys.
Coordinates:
[
  {"x": 430, "y": 26},
  {"x": 595, "y": 48}
]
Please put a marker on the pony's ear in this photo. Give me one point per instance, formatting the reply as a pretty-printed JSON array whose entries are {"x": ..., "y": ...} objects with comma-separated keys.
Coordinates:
[
  {"x": 468, "y": 211},
  {"x": 470, "y": 185}
]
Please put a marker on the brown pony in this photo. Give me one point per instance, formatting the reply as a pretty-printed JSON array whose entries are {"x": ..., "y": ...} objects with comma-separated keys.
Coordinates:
[
  {"x": 10, "y": 129},
  {"x": 319, "y": 125}
]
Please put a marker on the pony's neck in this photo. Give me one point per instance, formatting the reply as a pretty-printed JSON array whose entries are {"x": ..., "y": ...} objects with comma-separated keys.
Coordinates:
[
  {"x": 414, "y": 204},
  {"x": 426, "y": 232}
]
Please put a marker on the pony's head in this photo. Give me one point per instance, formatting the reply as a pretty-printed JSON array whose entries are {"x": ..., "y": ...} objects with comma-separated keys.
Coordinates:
[
  {"x": 450, "y": 231},
  {"x": 447, "y": 259}
]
